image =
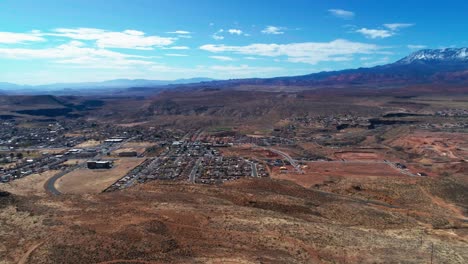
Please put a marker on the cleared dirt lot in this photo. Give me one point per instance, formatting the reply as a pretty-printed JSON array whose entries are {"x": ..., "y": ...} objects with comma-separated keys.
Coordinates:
[
  {"x": 29, "y": 185},
  {"x": 139, "y": 147},
  {"x": 435, "y": 146},
  {"x": 318, "y": 172},
  {"x": 358, "y": 155},
  {"x": 84, "y": 180},
  {"x": 88, "y": 144}
]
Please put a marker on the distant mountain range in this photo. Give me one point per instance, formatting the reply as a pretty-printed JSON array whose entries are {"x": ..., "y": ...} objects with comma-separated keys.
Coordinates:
[
  {"x": 111, "y": 84},
  {"x": 425, "y": 66},
  {"x": 446, "y": 66}
]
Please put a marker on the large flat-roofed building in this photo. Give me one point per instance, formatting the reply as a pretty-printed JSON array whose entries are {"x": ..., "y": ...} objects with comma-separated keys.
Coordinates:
[
  {"x": 114, "y": 140},
  {"x": 128, "y": 154},
  {"x": 99, "y": 164}
]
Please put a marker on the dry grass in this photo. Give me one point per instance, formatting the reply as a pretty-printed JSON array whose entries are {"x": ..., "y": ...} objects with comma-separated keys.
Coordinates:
[
  {"x": 139, "y": 147},
  {"x": 84, "y": 180},
  {"x": 29, "y": 185},
  {"x": 318, "y": 172},
  {"x": 247, "y": 221},
  {"x": 88, "y": 144}
]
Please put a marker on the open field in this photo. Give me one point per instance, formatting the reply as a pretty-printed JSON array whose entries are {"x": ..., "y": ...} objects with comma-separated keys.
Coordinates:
[
  {"x": 432, "y": 147},
  {"x": 29, "y": 186},
  {"x": 319, "y": 172},
  {"x": 138, "y": 147},
  {"x": 358, "y": 155},
  {"x": 84, "y": 180},
  {"x": 88, "y": 144},
  {"x": 245, "y": 221},
  {"x": 73, "y": 162},
  {"x": 247, "y": 150}
]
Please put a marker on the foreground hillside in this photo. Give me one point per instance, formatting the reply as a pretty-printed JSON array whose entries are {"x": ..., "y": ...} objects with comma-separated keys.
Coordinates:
[{"x": 247, "y": 221}]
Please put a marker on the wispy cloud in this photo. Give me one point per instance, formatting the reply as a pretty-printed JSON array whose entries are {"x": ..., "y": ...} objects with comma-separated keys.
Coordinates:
[
  {"x": 78, "y": 54},
  {"x": 235, "y": 31},
  {"x": 180, "y": 32},
  {"x": 15, "y": 38},
  {"x": 375, "y": 33},
  {"x": 176, "y": 55},
  {"x": 416, "y": 46},
  {"x": 176, "y": 48},
  {"x": 127, "y": 39},
  {"x": 345, "y": 14},
  {"x": 222, "y": 58},
  {"x": 391, "y": 30},
  {"x": 307, "y": 52},
  {"x": 273, "y": 30},
  {"x": 217, "y": 35},
  {"x": 397, "y": 26},
  {"x": 375, "y": 62}
]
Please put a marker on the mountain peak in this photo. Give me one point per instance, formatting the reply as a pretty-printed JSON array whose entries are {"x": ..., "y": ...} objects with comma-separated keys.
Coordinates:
[{"x": 436, "y": 55}]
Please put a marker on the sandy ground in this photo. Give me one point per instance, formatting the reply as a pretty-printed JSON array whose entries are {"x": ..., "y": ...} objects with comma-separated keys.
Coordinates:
[
  {"x": 355, "y": 155},
  {"x": 132, "y": 124},
  {"x": 318, "y": 172},
  {"x": 72, "y": 162},
  {"x": 246, "y": 221},
  {"x": 246, "y": 150},
  {"x": 139, "y": 147},
  {"x": 88, "y": 144},
  {"x": 84, "y": 180},
  {"x": 435, "y": 146}
]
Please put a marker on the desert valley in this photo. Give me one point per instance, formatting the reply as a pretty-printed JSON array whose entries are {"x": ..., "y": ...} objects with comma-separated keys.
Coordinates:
[{"x": 359, "y": 166}]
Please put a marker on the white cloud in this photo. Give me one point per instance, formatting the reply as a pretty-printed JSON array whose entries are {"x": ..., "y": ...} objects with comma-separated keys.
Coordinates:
[
  {"x": 383, "y": 33},
  {"x": 272, "y": 30},
  {"x": 180, "y": 32},
  {"x": 76, "y": 53},
  {"x": 127, "y": 39},
  {"x": 176, "y": 48},
  {"x": 217, "y": 36},
  {"x": 13, "y": 38},
  {"x": 307, "y": 52},
  {"x": 416, "y": 46},
  {"x": 397, "y": 26},
  {"x": 235, "y": 31},
  {"x": 176, "y": 55},
  {"x": 341, "y": 13},
  {"x": 216, "y": 71},
  {"x": 375, "y": 33},
  {"x": 222, "y": 58},
  {"x": 243, "y": 71}
]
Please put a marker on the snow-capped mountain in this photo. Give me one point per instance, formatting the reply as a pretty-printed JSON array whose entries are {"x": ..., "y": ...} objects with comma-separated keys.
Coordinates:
[{"x": 447, "y": 55}]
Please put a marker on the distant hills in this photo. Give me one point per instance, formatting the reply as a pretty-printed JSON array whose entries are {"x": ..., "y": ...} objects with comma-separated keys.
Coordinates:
[
  {"x": 425, "y": 66},
  {"x": 434, "y": 66},
  {"x": 111, "y": 84}
]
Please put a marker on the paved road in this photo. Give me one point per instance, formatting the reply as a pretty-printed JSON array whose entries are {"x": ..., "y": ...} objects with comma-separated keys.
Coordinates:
[
  {"x": 289, "y": 158},
  {"x": 254, "y": 169},
  {"x": 391, "y": 164},
  {"x": 50, "y": 184},
  {"x": 192, "y": 176}
]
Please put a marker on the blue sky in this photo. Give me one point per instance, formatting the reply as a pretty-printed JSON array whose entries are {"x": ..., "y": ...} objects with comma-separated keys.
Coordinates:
[{"x": 52, "y": 41}]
